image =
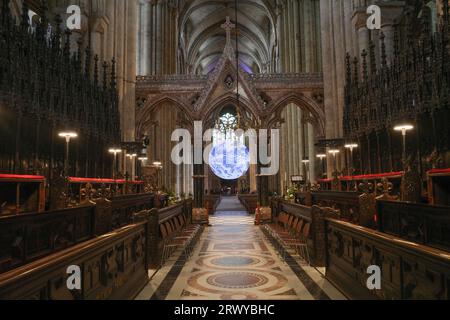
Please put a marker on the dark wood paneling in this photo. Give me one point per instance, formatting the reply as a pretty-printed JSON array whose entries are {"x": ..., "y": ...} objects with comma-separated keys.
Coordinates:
[
  {"x": 27, "y": 237},
  {"x": 408, "y": 270},
  {"x": 113, "y": 267},
  {"x": 249, "y": 201},
  {"x": 420, "y": 223}
]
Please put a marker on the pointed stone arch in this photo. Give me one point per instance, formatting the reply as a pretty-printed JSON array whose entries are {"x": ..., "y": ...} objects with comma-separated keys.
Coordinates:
[
  {"x": 306, "y": 103},
  {"x": 217, "y": 105},
  {"x": 144, "y": 115}
]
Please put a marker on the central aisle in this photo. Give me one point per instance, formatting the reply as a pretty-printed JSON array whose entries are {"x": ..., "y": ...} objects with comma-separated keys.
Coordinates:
[{"x": 235, "y": 261}]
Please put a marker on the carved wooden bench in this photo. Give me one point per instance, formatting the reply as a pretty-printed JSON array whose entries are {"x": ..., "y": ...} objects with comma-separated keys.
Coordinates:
[
  {"x": 249, "y": 201},
  {"x": 176, "y": 231},
  {"x": 306, "y": 223}
]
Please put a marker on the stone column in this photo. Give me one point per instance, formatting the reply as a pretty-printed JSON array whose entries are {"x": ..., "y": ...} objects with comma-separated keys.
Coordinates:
[
  {"x": 253, "y": 179},
  {"x": 144, "y": 37},
  {"x": 128, "y": 115},
  {"x": 390, "y": 12},
  {"x": 312, "y": 153},
  {"x": 301, "y": 140}
]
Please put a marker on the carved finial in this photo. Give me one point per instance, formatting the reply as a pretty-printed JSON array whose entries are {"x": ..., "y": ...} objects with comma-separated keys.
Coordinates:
[
  {"x": 383, "y": 50},
  {"x": 42, "y": 27},
  {"x": 446, "y": 13},
  {"x": 396, "y": 44},
  {"x": 78, "y": 57},
  {"x": 373, "y": 62},
  {"x": 113, "y": 74},
  {"x": 365, "y": 187},
  {"x": 68, "y": 33},
  {"x": 87, "y": 63},
  {"x": 25, "y": 23},
  {"x": 105, "y": 75},
  {"x": 348, "y": 68},
  {"x": 96, "y": 70},
  {"x": 364, "y": 64},
  {"x": 355, "y": 71}
]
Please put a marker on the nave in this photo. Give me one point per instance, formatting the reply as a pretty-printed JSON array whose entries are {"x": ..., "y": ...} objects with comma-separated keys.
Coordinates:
[{"x": 235, "y": 260}]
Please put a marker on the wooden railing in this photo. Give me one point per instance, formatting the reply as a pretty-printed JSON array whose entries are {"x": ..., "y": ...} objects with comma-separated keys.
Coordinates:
[
  {"x": 358, "y": 208},
  {"x": 420, "y": 223},
  {"x": 113, "y": 266},
  {"x": 346, "y": 202},
  {"x": 408, "y": 270},
  {"x": 27, "y": 237},
  {"x": 249, "y": 201}
]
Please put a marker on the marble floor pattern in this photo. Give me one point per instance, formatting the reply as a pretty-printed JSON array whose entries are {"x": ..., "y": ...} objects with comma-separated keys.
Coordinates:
[{"x": 235, "y": 260}]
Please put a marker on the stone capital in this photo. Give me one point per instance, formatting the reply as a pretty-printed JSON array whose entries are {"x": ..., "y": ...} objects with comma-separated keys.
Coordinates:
[{"x": 359, "y": 18}]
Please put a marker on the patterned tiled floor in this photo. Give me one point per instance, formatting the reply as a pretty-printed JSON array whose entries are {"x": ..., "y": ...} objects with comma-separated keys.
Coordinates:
[{"x": 234, "y": 260}]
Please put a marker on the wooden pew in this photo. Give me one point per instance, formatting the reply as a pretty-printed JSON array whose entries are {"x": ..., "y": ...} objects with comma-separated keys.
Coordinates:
[
  {"x": 162, "y": 217},
  {"x": 211, "y": 202},
  {"x": 421, "y": 223},
  {"x": 314, "y": 216},
  {"x": 113, "y": 266},
  {"x": 249, "y": 201},
  {"x": 21, "y": 194},
  {"x": 27, "y": 237},
  {"x": 408, "y": 270}
]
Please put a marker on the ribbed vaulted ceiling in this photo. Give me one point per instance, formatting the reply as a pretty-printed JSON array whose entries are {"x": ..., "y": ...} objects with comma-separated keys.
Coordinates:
[{"x": 203, "y": 39}]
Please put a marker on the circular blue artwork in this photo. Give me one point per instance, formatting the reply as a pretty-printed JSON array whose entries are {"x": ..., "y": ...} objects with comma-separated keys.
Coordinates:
[{"x": 229, "y": 160}]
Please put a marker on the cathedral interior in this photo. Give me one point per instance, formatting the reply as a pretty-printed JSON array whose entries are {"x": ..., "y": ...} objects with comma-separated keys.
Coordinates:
[{"x": 225, "y": 150}]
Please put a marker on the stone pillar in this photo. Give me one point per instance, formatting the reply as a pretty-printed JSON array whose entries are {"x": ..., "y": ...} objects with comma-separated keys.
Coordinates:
[
  {"x": 338, "y": 38},
  {"x": 129, "y": 80},
  {"x": 199, "y": 187},
  {"x": 263, "y": 190},
  {"x": 390, "y": 12},
  {"x": 312, "y": 153},
  {"x": 301, "y": 140},
  {"x": 178, "y": 182},
  {"x": 253, "y": 179},
  {"x": 144, "y": 37}
]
